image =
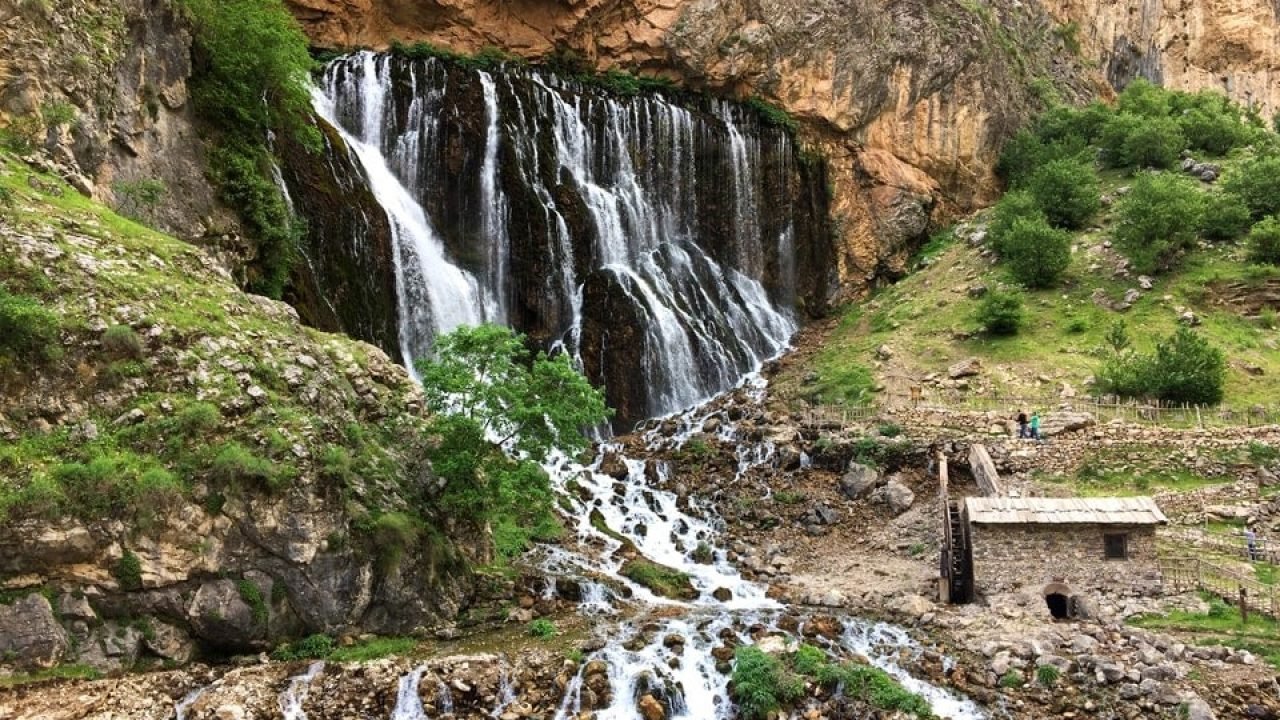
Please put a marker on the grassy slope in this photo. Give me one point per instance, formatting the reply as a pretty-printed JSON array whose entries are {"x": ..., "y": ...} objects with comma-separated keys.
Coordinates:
[
  {"x": 925, "y": 317},
  {"x": 210, "y": 342}
]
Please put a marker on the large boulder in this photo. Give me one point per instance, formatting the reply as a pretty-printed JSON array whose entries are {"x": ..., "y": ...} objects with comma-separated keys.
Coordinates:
[
  {"x": 968, "y": 367},
  {"x": 897, "y": 496},
  {"x": 219, "y": 616},
  {"x": 859, "y": 480},
  {"x": 30, "y": 635},
  {"x": 1056, "y": 423}
]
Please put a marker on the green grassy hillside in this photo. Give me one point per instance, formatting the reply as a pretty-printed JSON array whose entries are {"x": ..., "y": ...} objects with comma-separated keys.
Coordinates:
[{"x": 925, "y": 323}]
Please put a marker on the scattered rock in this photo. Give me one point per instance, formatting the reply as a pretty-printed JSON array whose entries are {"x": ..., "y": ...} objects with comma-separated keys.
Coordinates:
[
  {"x": 896, "y": 495},
  {"x": 969, "y": 367},
  {"x": 858, "y": 481},
  {"x": 30, "y": 635}
]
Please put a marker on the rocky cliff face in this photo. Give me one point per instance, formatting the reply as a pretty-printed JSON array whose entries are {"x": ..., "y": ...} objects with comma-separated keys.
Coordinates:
[
  {"x": 103, "y": 87},
  {"x": 909, "y": 100},
  {"x": 207, "y": 473}
]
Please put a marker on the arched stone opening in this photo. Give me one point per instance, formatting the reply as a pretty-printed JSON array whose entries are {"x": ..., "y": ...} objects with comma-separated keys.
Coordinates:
[{"x": 1059, "y": 599}]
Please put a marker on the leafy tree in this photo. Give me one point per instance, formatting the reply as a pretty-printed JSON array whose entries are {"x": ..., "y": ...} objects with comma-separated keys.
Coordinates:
[
  {"x": 1013, "y": 206},
  {"x": 1070, "y": 126},
  {"x": 1226, "y": 217},
  {"x": 500, "y": 410},
  {"x": 1214, "y": 132},
  {"x": 1264, "y": 242},
  {"x": 1142, "y": 97},
  {"x": 1134, "y": 141},
  {"x": 1026, "y": 152},
  {"x": 1184, "y": 368},
  {"x": 1257, "y": 182},
  {"x": 1036, "y": 253},
  {"x": 1066, "y": 191},
  {"x": 1158, "y": 219},
  {"x": 1000, "y": 312},
  {"x": 1189, "y": 369}
]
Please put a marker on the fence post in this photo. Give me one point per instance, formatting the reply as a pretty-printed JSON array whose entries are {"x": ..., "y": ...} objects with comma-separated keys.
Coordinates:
[{"x": 1244, "y": 605}]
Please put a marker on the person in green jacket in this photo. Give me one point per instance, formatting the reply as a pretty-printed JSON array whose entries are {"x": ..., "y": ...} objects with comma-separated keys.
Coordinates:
[{"x": 1035, "y": 425}]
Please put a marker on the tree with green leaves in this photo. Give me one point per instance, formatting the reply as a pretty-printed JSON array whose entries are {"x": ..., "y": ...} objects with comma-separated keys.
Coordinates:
[
  {"x": 1000, "y": 312},
  {"x": 1036, "y": 254},
  {"x": 500, "y": 410},
  {"x": 1015, "y": 205},
  {"x": 1257, "y": 182},
  {"x": 1158, "y": 220},
  {"x": 1066, "y": 191},
  {"x": 1226, "y": 217},
  {"x": 1264, "y": 242}
]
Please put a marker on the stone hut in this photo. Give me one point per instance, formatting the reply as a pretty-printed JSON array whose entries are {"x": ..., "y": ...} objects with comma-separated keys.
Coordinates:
[{"x": 1063, "y": 549}]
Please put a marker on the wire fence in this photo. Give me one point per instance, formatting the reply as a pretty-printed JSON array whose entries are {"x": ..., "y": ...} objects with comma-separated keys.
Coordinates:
[{"x": 1102, "y": 409}]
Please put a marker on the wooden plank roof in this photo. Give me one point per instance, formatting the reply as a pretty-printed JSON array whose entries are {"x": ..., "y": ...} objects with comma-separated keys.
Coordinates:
[{"x": 1060, "y": 511}]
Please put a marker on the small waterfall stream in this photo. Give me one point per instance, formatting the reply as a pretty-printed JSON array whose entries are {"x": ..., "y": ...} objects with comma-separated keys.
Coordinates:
[{"x": 296, "y": 693}]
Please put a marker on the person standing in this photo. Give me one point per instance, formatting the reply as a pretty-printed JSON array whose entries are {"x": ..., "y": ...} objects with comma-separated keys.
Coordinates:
[
  {"x": 1022, "y": 426},
  {"x": 1035, "y": 425},
  {"x": 1251, "y": 543}
]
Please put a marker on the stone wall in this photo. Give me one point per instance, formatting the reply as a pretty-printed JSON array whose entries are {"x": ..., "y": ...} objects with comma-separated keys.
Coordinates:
[{"x": 1025, "y": 558}]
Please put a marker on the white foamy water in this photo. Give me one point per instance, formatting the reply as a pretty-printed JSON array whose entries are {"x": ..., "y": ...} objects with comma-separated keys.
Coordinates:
[{"x": 296, "y": 693}]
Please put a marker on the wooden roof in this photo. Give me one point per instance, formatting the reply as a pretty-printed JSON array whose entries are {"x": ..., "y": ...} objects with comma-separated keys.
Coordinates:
[{"x": 1061, "y": 511}]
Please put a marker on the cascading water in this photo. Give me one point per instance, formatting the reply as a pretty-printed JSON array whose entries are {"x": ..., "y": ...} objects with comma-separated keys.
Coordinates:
[
  {"x": 296, "y": 693},
  {"x": 652, "y": 240},
  {"x": 408, "y": 703}
]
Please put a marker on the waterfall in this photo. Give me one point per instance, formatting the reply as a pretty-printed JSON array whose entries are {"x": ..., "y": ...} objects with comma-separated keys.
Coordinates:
[
  {"x": 408, "y": 703},
  {"x": 637, "y": 233},
  {"x": 296, "y": 693}
]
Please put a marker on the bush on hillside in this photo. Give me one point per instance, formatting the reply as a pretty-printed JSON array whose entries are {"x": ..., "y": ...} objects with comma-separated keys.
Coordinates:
[
  {"x": 1000, "y": 312},
  {"x": 1070, "y": 126},
  {"x": 1026, "y": 152},
  {"x": 1015, "y": 205},
  {"x": 1257, "y": 182},
  {"x": 1184, "y": 368},
  {"x": 1066, "y": 191},
  {"x": 122, "y": 342},
  {"x": 761, "y": 683},
  {"x": 1144, "y": 98},
  {"x": 1133, "y": 141},
  {"x": 1157, "y": 220},
  {"x": 1037, "y": 254},
  {"x": 1264, "y": 242},
  {"x": 1213, "y": 133},
  {"x": 28, "y": 331},
  {"x": 1226, "y": 217}
]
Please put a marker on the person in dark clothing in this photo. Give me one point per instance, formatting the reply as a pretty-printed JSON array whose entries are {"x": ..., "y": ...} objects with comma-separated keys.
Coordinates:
[{"x": 1022, "y": 426}]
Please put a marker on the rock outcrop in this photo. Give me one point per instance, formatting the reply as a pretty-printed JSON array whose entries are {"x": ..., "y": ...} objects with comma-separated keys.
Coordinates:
[{"x": 222, "y": 483}]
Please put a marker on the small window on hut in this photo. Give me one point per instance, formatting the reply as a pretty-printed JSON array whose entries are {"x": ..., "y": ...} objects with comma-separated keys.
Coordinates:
[{"x": 1117, "y": 546}]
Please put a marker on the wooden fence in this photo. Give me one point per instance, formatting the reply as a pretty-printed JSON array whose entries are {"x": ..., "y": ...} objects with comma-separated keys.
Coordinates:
[
  {"x": 1182, "y": 574},
  {"x": 1227, "y": 545}
]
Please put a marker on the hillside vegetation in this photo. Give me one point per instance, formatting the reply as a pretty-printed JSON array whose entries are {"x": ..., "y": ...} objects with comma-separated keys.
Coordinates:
[{"x": 1131, "y": 236}]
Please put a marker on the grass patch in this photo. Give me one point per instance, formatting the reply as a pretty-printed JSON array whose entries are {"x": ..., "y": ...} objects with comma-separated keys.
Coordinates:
[
  {"x": 1221, "y": 625},
  {"x": 541, "y": 628},
  {"x": 373, "y": 649},
  {"x": 61, "y": 672},
  {"x": 762, "y": 684}
]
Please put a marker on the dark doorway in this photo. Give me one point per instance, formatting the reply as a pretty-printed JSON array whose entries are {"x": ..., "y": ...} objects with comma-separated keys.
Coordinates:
[{"x": 1059, "y": 606}]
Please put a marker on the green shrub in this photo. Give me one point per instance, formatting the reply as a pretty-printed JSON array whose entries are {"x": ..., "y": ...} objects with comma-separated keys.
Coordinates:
[
  {"x": 1257, "y": 182},
  {"x": 241, "y": 173},
  {"x": 1226, "y": 217},
  {"x": 1000, "y": 312},
  {"x": 116, "y": 484},
  {"x": 128, "y": 571},
  {"x": 761, "y": 684},
  {"x": 889, "y": 430},
  {"x": 1158, "y": 220},
  {"x": 772, "y": 114},
  {"x": 23, "y": 135},
  {"x": 1012, "y": 679},
  {"x": 28, "y": 331},
  {"x": 1047, "y": 675},
  {"x": 1264, "y": 242},
  {"x": 542, "y": 628},
  {"x": 1132, "y": 141},
  {"x": 137, "y": 198},
  {"x": 374, "y": 649},
  {"x": 394, "y": 534},
  {"x": 122, "y": 342},
  {"x": 1027, "y": 152},
  {"x": 1261, "y": 453},
  {"x": 1015, "y": 205},
  {"x": 1184, "y": 368},
  {"x": 336, "y": 463},
  {"x": 197, "y": 419},
  {"x": 313, "y": 647},
  {"x": 660, "y": 579},
  {"x": 1036, "y": 254},
  {"x": 251, "y": 594},
  {"x": 809, "y": 660},
  {"x": 1213, "y": 132},
  {"x": 1143, "y": 98},
  {"x": 1066, "y": 191},
  {"x": 236, "y": 464}
]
